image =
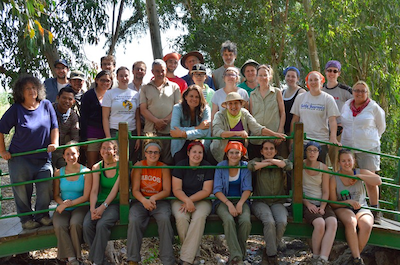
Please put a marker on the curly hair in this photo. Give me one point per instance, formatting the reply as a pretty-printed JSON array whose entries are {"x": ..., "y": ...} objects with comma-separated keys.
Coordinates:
[
  {"x": 18, "y": 89},
  {"x": 199, "y": 110}
]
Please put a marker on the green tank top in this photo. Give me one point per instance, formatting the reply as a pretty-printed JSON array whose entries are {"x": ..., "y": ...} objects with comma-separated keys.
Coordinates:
[{"x": 106, "y": 185}]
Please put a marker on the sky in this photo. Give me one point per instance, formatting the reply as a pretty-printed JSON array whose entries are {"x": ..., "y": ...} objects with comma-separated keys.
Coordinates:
[{"x": 139, "y": 50}]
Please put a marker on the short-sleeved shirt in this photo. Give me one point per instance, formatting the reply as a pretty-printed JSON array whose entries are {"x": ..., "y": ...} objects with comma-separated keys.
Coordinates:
[
  {"x": 314, "y": 112},
  {"x": 218, "y": 76},
  {"x": 151, "y": 179},
  {"x": 32, "y": 128},
  {"x": 340, "y": 93},
  {"x": 220, "y": 97},
  {"x": 181, "y": 83},
  {"x": 246, "y": 87},
  {"x": 160, "y": 102},
  {"x": 123, "y": 104},
  {"x": 193, "y": 179}
]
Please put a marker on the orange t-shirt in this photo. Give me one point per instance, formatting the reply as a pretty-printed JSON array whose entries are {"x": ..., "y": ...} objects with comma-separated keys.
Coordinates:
[{"x": 151, "y": 179}]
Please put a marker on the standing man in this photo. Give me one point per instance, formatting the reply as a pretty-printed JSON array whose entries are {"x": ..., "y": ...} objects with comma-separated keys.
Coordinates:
[
  {"x": 341, "y": 93},
  {"x": 228, "y": 53},
  {"x": 171, "y": 59},
  {"x": 108, "y": 63},
  {"x": 77, "y": 81},
  {"x": 157, "y": 100},
  {"x": 68, "y": 123},
  {"x": 188, "y": 61},
  {"x": 54, "y": 85},
  {"x": 139, "y": 71}
]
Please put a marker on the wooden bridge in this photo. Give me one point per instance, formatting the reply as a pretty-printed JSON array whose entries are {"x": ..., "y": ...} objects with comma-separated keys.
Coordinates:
[{"x": 15, "y": 240}]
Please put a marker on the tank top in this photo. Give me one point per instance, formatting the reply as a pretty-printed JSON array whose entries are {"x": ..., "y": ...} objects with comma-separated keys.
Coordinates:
[
  {"x": 312, "y": 185},
  {"x": 234, "y": 185},
  {"x": 288, "y": 106},
  {"x": 106, "y": 184},
  {"x": 355, "y": 192},
  {"x": 151, "y": 179},
  {"x": 71, "y": 190}
]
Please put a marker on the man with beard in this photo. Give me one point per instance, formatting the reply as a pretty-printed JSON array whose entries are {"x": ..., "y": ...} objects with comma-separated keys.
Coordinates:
[
  {"x": 171, "y": 59},
  {"x": 54, "y": 85},
  {"x": 228, "y": 53},
  {"x": 139, "y": 71}
]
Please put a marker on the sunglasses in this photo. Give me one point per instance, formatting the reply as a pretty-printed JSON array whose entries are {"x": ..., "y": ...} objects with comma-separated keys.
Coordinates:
[{"x": 332, "y": 70}]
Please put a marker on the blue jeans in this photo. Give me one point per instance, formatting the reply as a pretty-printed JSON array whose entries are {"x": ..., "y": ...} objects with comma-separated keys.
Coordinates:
[{"x": 24, "y": 169}]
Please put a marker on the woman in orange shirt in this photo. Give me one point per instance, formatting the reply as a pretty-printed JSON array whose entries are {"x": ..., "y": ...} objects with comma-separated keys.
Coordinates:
[{"x": 149, "y": 187}]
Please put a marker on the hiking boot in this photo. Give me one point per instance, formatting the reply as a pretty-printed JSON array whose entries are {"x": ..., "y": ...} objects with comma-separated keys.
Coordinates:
[
  {"x": 30, "y": 225},
  {"x": 46, "y": 221},
  {"x": 358, "y": 261},
  {"x": 377, "y": 217}
]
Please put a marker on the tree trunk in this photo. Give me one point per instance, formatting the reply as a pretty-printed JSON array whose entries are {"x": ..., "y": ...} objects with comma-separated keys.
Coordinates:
[
  {"x": 312, "y": 46},
  {"x": 154, "y": 29},
  {"x": 115, "y": 31},
  {"x": 51, "y": 54}
]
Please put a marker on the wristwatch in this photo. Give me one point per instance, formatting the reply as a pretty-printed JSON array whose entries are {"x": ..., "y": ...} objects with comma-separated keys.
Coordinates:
[{"x": 105, "y": 204}]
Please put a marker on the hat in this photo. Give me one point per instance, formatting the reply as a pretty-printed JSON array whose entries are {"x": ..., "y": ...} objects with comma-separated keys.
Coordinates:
[
  {"x": 333, "y": 63},
  {"x": 172, "y": 55},
  {"x": 248, "y": 62},
  {"x": 76, "y": 74},
  {"x": 199, "y": 68},
  {"x": 61, "y": 61},
  {"x": 233, "y": 96},
  {"x": 192, "y": 53},
  {"x": 235, "y": 145},
  {"x": 193, "y": 143},
  {"x": 291, "y": 68}
]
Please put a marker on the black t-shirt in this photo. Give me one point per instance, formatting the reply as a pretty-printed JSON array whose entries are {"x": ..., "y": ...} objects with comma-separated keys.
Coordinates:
[{"x": 193, "y": 179}]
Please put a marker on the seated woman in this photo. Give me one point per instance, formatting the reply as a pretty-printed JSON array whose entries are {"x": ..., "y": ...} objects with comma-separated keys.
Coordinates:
[
  {"x": 319, "y": 214},
  {"x": 149, "y": 187},
  {"x": 190, "y": 187},
  {"x": 68, "y": 192},
  {"x": 190, "y": 120},
  {"x": 104, "y": 207},
  {"x": 357, "y": 221},
  {"x": 270, "y": 182},
  {"x": 234, "y": 182},
  {"x": 235, "y": 121}
]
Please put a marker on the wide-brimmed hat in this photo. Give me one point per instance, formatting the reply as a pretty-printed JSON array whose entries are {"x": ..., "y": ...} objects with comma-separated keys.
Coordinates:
[
  {"x": 233, "y": 96},
  {"x": 248, "y": 62},
  {"x": 172, "y": 55},
  {"x": 192, "y": 53},
  {"x": 199, "y": 68},
  {"x": 76, "y": 74}
]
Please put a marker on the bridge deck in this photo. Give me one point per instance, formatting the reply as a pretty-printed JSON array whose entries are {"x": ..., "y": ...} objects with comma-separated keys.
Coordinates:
[{"x": 14, "y": 240}]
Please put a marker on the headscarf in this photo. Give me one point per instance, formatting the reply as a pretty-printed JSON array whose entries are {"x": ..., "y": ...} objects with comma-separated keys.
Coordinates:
[
  {"x": 235, "y": 145},
  {"x": 315, "y": 72},
  {"x": 291, "y": 68}
]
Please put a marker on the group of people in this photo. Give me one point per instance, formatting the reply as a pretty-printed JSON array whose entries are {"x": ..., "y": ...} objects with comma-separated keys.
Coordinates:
[{"x": 189, "y": 109}]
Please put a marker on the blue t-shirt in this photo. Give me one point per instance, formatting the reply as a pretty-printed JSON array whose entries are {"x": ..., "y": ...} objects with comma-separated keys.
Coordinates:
[{"x": 32, "y": 128}]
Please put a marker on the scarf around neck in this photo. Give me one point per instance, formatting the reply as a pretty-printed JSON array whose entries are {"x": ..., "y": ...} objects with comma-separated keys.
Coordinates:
[
  {"x": 358, "y": 110},
  {"x": 233, "y": 120}
]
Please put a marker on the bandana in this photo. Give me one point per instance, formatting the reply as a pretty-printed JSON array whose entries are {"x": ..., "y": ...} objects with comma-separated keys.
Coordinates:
[
  {"x": 236, "y": 145},
  {"x": 315, "y": 72},
  {"x": 233, "y": 120},
  {"x": 358, "y": 110}
]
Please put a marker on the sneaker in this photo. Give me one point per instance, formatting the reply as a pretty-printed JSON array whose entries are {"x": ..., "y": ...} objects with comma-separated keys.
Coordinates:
[
  {"x": 320, "y": 261},
  {"x": 46, "y": 221},
  {"x": 282, "y": 246},
  {"x": 358, "y": 261},
  {"x": 377, "y": 217},
  {"x": 30, "y": 225}
]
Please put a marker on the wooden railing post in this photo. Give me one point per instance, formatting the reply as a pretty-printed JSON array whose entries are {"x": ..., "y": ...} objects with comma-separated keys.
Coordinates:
[
  {"x": 297, "y": 203},
  {"x": 123, "y": 140},
  {"x": 396, "y": 217}
]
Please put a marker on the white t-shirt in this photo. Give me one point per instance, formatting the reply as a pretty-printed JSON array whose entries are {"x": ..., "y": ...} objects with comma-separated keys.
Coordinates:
[
  {"x": 314, "y": 112},
  {"x": 220, "y": 97},
  {"x": 123, "y": 104}
]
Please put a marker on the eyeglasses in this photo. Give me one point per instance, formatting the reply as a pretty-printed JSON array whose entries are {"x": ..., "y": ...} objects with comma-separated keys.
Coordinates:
[
  {"x": 231, "y": 75},
  {"x": 312, "y": 150},
  {"x": 360, "y": 91},
  {"x": 199, "y": 74},
  {"x": 152, "y": 152},
  {"x": 332, "y": 71}
]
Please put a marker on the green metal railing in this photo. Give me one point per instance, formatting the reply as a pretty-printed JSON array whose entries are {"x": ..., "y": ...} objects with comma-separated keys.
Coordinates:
[{"x": 124, "y": 166}]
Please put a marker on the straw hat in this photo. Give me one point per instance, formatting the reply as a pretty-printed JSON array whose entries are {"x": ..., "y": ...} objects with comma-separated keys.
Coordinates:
[{"x": 233, "y": 96}]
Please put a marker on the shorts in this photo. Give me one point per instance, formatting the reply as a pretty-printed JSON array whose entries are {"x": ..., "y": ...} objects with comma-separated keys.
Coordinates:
[
  {"x": 361, "y": 210},
  {"x": 95, "y": 147},
  {"x": 310, "y": 217},
  {"x": 369, "y": 161}
]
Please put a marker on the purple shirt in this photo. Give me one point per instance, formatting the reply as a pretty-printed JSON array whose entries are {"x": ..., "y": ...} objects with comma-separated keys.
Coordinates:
[
  {"x": 32, "y": 128},
  {"x": 238, "y": 127}
]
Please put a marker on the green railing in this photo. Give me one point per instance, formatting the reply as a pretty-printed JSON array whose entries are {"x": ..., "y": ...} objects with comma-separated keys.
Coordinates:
[{"x": 124, "y": 166}]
